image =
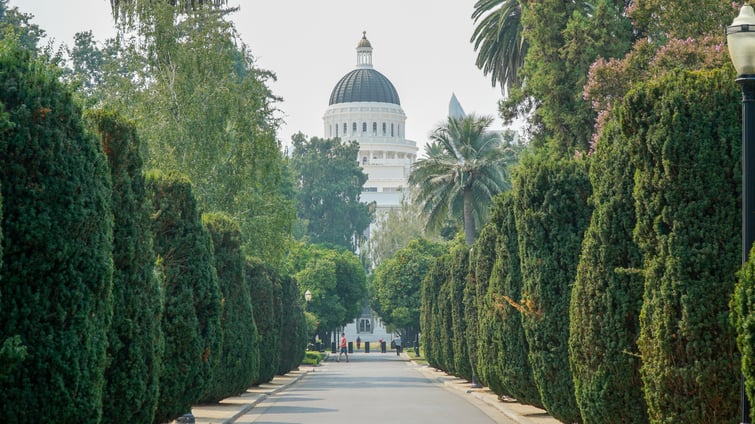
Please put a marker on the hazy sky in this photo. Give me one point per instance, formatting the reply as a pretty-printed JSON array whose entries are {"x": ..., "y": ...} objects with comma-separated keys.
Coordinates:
[{"x": 422, "y": 46}]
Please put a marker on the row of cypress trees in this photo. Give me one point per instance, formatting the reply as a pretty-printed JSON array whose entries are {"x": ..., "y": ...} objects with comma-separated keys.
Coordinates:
[
  {"x": 600, "y": 289},
  {"x": 119, "y": 300}
]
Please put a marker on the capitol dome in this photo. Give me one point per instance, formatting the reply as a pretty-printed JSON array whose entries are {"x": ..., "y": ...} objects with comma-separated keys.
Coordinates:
[{"x": 364, "y": 85}]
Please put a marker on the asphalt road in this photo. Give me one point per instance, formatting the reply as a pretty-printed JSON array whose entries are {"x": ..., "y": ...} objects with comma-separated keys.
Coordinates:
[{"x": 371, "y": 388}]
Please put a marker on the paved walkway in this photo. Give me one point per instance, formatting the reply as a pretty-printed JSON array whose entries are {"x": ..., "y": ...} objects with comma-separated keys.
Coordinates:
[{"x": 239, "y": 409}]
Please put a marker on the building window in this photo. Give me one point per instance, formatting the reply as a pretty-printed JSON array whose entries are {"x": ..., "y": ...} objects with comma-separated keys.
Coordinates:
[
  {"x": 354, "y": 128},
  {"x": 365, "y": 326},
  {"x": 336, "y": 130},
  {"x": 364, "y": 160},
  {"x": 374, "y": 128},
  {"x": 364, "y": 127},
  {"x": 344, "y": 128},
  {"x": 384, "y": 129},
  {"x": 391, "y": 129},
  {"x": 370, "y": 189}
]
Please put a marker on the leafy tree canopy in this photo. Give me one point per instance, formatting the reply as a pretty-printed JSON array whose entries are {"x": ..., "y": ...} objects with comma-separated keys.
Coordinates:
[{"x": 330, "y": 182}]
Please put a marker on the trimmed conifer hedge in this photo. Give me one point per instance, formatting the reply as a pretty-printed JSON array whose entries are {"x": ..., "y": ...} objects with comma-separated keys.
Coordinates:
[
  {"x": 684, "y": 132},
  {"x": 238, "y": 368},
  {"x": 56, "y": 277},
  {"x": 293, "y": 326},
  {"x": 551, "y": 211},
  {"x": 135, "y": 338},
  {"x": 482, "y": 255},
  {"x": 511, "y": 366},
  {"x": 607, "y": 294},
  {"x": 267, "y": 315},
  {"x": 458, "y": 334},
  {"x": 191, "y": 317}
]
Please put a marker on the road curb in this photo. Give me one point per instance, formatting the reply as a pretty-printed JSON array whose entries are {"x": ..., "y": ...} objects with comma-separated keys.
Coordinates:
[{"x": 248, "y": 407}]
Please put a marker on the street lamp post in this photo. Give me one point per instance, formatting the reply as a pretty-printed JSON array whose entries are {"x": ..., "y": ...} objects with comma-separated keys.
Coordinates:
[{"x": 740, "y": 37}]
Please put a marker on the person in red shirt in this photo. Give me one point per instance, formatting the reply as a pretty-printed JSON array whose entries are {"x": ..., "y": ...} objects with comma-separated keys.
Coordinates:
[{"x": 343, "y": 349}]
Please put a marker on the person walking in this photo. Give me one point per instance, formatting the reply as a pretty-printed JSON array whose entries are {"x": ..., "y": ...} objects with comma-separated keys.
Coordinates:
[
  {"x": 397, "y": 341},
  {"x": 343, "y": 349}
]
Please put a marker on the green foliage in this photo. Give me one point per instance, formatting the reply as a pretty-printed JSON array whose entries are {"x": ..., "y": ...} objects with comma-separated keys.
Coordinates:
[
  {"x": 607, "y": 294},
  {"x": 430, "y": 314},
  {"x": 135, "y": 337},
  {"x": 56, "y": 278},
  {"x": 313, "y": 358},
  {"x": 743, "y": 319},
  {"x": 498, "y": 40},
  {"x": 551, "y": 212},
  {"x": 481, "y": 258},
  {"x": 336, "y": 279},
  {"x": 466, "y": 165},
  {"x": 394, "y": 230},
  {"x": 565, "y": 38},
  {"x": 239, "y": 364},
  {"x": 457, "y": 282},
  {"x": 509, "y": 371},
  {"x": 191, "y": 319},
  {"x": 16, "y": 26},
  {"x": 204, "y": 110},
  {"x": 330, "y": 182},
  {"x": 265, "y": 293},
  {"x": 397, "y": 282},
  {"x": 293, "y": 326},
  {"x": 684, "y": 133}
]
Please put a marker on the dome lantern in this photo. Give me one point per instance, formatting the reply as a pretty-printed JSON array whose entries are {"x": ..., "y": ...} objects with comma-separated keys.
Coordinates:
[{"x": 364, "y": 52}]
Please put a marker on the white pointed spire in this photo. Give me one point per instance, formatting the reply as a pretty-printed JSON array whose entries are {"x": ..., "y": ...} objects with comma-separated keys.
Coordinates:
[{"x": 364, "y": 52}]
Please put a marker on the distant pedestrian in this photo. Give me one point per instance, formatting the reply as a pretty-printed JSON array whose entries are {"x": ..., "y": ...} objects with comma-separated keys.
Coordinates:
[
  {"x": 397, "y": 341},
  {"x": 343, "y": 349},
  {"x": 359, "y": 343}
]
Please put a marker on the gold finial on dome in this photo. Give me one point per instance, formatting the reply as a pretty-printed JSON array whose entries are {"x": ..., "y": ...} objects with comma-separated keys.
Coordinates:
[{"x": 364, "y": 42}]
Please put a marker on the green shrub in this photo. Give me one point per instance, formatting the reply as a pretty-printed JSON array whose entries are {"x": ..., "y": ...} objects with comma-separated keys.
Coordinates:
[
  {"x": 293, "y": 326},
  {"x": 509, "y": 370},
  {"x": 607, "y": 294},
  {"x": 191, "y": 318},
  {"x": 267, "y": 316},
  {"x": 56, "y": 278},
  {"x": 551, "y": 212},
  {"x": 135, "y": 338},
  {"x": 239, "y": 365},
  {"x": 457, "y": 282},
  {"x": 684, "y": 134}
]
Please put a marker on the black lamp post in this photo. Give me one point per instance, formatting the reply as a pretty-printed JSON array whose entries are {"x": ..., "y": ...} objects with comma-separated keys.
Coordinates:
[{"x": 740, "y": 37}]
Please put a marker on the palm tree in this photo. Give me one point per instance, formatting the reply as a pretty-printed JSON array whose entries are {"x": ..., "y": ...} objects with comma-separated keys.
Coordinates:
[
  {"x": 498, "y": 40},
  {"x": 466, "y": 165}
]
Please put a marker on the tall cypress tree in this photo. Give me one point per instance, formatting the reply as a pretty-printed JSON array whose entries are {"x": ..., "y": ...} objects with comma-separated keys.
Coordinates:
[
  {"x": 56, "y": 278},
  {"x": 239, "y": 364},
  {"x": 135, "y": 338},
  {"x": 267, "y": 316},
  {"x": 510, "y": 350},
  {"x": 607, "y": 294},
  {"x": 457, "y": 282},
  {"x": 184, "y": 252},
  {"x": 481, "y": 258},
  {"x": 293, "y": 326},
  {"x": 550, "y": 203},
  {"x": 684, "y": 133}
]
